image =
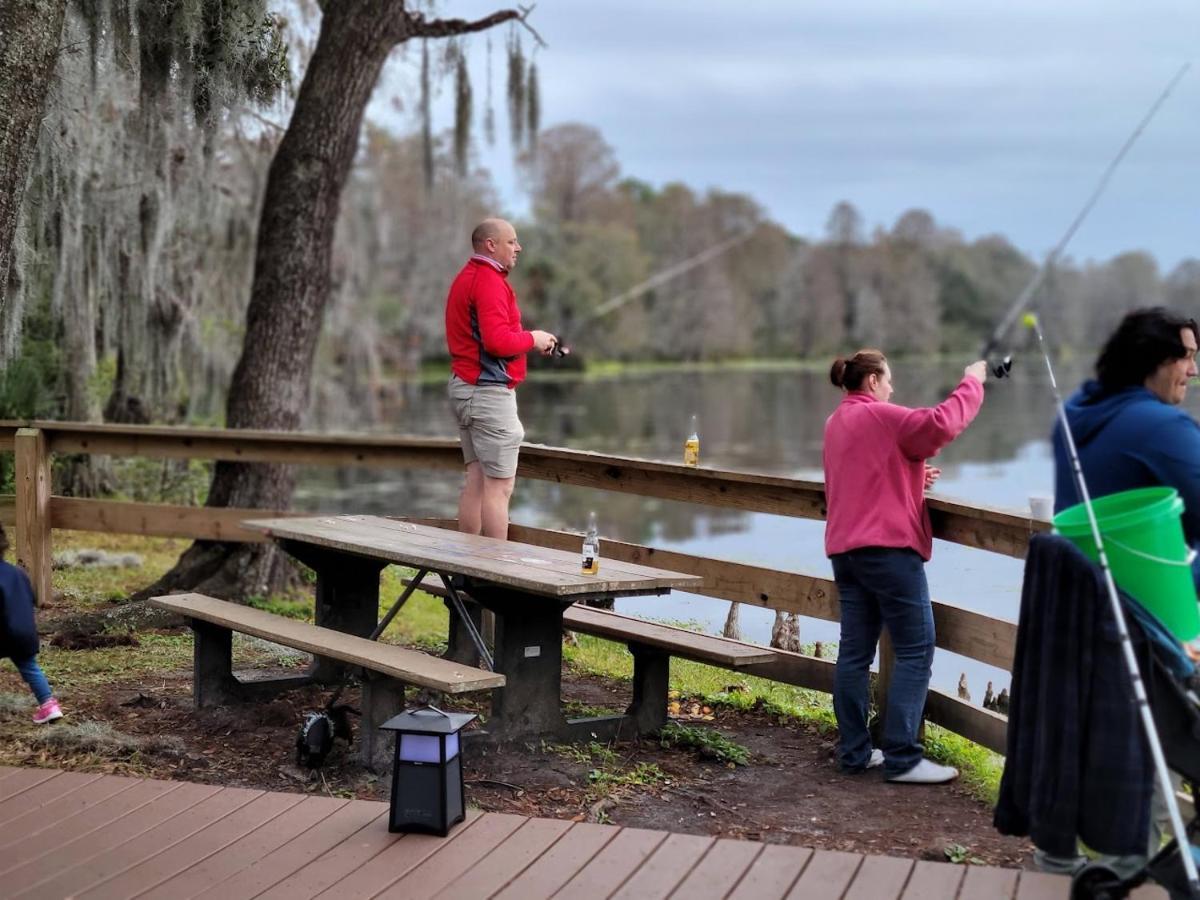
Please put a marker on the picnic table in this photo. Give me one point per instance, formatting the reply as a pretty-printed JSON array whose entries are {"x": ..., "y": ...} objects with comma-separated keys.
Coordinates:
[{"x": 526, "y": 586}]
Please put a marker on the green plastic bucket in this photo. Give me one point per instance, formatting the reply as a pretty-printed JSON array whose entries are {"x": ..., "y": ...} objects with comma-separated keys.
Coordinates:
[{"x": 1150, "y": 560}]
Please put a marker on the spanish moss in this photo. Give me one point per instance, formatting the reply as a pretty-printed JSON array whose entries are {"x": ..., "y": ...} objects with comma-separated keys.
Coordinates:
[
  {"x": 489, "y": 113},
  {"x": 426, "y": 117},
  {"x": 462, "y": 115},
  {"x": 516, "y": 91},
  {"x": 534, "y": 107}
]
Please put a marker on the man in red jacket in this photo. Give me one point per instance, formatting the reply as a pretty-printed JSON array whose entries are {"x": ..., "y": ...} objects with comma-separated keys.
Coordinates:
[{"x": 487, "y": 361}]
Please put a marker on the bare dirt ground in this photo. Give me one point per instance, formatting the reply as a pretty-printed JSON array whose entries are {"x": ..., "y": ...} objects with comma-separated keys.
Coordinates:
[{"x": 789, "y": 792}]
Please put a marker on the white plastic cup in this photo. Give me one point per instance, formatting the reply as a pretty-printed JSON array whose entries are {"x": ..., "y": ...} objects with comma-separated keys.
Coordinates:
[{"x": 1041, "y": 507}]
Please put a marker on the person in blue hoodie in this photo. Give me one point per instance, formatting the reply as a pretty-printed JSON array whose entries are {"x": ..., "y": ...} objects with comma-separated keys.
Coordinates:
[
  {"x": 1128, "y": 423},
  {"x": 19, "y": 636},
  {"x": 1131, "y": 432}
]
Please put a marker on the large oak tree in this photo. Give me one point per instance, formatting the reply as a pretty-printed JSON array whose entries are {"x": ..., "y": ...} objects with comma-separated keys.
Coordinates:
[{"x": 291, "y": 286}]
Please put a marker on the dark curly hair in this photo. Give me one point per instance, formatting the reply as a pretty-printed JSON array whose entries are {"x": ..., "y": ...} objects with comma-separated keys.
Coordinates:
[{"x": 1145, "y": 339}]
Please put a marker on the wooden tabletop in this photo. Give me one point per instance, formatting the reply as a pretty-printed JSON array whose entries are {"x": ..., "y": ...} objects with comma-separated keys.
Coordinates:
[{"x": 535, "y": 570}]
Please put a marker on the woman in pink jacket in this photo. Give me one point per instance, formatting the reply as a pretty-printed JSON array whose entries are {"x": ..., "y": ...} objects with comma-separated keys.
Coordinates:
[{"x": 878, "y": 538}]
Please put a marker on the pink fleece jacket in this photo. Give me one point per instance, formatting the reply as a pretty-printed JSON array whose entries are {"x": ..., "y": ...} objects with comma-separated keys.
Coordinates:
[{"x": 875, "y": 467}]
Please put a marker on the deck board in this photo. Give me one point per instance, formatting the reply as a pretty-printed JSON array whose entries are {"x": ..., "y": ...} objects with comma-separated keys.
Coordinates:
[
  {"x": 69, "y": 806},
  {"x": 460, "y": 853},
  {"x": 879, "y": 878},
  {"x": 43, "y": 792},
  {"x": 88, "y": 843},
  {"x": 609, "y": 868},
  {"x": 665, "y": 868},
  {"x": 388, "y": 867},
  {"x": 184, "y": 854},
  {"x": 507, "y": 861},
  {"x": 773, "y": 873},
  {"x": 827, "y": 875},
  {"x": 331, "y": 867},
  {"x": 104, "y": 836},
  {"x": 934, "y": 881},
  {"x": 23, "y": 780},
  {"x": 340, "y": 825},
  {"x": 558, "y": 865},
  {"x": 71, "y": 876},
  {"x": 719, "y": 870},
  {"x": 246, "y": 852},
  {"x": 1038, "y": 886}
]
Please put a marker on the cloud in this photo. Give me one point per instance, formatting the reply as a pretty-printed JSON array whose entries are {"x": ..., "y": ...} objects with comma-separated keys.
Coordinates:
[{"x": 994, "y": 116}]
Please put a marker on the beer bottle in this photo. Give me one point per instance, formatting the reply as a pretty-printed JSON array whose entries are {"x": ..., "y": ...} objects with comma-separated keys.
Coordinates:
[
  {"x": 691, "y": 447},
  {"x": 590, "y": 563}
]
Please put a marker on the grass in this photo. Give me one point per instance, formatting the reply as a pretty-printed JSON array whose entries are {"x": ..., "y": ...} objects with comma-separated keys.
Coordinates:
[
  {"x": 74, "y": 671},
  {"x": 99, "y": 738},
  {"x": 981, "y": 768},
  {"x": 707, "y": 742},
  {"x": 610, "y": 774},
  {"x": 85, "y": 588}
]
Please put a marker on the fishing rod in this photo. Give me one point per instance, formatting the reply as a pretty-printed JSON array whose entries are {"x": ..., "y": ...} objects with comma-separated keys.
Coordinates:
[
  {"x": 1026, "y": 295},
  {"x": 1161, "y": 768},
  {"x": 661, "y": 277}
]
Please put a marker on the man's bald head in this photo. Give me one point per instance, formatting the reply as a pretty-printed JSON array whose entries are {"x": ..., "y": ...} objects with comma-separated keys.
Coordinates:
[
  {"x": 488, "y": 229},
  {"x": 496, "y": 239}
]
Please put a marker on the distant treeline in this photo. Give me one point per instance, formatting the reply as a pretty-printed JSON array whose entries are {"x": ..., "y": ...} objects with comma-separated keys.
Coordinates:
[{"x": 109, "y": 321}]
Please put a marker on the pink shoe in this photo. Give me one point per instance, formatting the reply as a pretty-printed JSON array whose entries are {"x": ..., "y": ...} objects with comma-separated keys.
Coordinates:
[{"x": 47, "y": 712}]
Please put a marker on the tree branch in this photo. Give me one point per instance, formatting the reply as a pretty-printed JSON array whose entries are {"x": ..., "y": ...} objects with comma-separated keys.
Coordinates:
[{"x": 437, "y": 28}]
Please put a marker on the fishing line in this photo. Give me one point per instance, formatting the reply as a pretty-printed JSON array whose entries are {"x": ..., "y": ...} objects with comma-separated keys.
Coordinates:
[
  {"x": 660, "y": 277},
  {"x": 1039, "y": 276},
  {"x": 1161, "y": 769}
]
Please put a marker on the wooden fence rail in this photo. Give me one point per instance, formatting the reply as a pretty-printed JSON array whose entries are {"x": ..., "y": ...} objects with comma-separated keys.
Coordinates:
[{"x": 36, "y": 513}]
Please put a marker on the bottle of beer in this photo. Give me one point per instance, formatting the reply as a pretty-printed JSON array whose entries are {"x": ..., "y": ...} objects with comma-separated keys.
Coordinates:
[
  {"x": 590, "y": 563},
  {"x": 691, "y": 447}
]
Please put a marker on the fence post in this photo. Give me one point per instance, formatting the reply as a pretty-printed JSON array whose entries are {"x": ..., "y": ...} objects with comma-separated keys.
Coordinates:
[{"x": 33, "y": 509}]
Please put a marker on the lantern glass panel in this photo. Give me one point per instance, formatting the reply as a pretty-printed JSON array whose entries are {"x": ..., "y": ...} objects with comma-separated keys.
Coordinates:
[{"x": 424, "y": 748}]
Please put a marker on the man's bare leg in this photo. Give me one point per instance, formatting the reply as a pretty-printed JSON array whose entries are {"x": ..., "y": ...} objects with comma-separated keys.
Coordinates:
[
  {"x": 496, "y": 494},
  {"x": 470, "y": 501}
]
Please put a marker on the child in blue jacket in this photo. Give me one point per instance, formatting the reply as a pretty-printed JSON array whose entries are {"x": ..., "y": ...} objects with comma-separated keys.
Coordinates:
[{"x": 19, "y": 636}]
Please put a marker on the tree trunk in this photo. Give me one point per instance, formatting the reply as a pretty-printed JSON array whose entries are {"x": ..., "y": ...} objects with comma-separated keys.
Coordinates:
[
  {"x": 270, "y": 385},
  {"x": 30, "y": 32}
]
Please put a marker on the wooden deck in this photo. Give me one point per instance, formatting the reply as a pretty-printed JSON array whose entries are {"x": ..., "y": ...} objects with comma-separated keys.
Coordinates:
[{"x": 65, "y": 834}]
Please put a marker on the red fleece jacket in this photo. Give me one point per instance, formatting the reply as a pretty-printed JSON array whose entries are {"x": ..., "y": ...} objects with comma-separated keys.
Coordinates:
[
  {"x": 483, "y": 327},
  {"x": 875, "y": 467}
]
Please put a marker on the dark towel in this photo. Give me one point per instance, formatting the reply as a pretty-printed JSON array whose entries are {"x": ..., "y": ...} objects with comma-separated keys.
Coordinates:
[{"x": 1077, "y": 763}]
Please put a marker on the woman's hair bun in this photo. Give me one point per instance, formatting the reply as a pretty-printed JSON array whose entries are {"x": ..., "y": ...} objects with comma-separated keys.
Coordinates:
[{"x": 837, "y": 372}]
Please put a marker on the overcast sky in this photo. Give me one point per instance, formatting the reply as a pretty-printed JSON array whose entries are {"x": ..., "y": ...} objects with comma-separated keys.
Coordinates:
[{"x": 994, "y": 116}]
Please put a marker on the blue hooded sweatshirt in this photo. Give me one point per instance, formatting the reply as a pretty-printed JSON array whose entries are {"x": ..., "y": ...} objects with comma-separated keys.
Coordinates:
[
  {"x": 1130, "y": 439},
  {"x": 18, "y": 629}
]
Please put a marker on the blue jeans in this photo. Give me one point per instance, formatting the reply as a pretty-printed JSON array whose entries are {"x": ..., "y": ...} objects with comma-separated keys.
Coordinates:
[
  {"x": 882, "y": 586},
  {"x": 35, "y": 678}
]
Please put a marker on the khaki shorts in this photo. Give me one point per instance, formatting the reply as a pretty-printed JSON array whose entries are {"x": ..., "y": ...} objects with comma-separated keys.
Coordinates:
[{"x": 488, "y": 426}]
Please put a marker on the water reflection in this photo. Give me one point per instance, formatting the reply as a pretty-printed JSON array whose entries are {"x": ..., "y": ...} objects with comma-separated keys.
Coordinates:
[{"x": 764, "y": 421}]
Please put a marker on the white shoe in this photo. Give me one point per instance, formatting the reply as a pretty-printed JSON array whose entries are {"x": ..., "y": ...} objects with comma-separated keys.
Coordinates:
[
  {"x": 926, "y": 772},
  {"x": 876, "y": 759}
]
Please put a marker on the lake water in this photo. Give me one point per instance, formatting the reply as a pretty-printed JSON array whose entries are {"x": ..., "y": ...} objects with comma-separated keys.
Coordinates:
[{"x": 763, "y": 420}]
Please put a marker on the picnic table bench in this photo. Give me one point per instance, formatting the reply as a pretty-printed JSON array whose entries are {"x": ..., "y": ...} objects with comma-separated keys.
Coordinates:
[
  {"x": 652, "y": 644},
  {"x": 387, "y": 668}
]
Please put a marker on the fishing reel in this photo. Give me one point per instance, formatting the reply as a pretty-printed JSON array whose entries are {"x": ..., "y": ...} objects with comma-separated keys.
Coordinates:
[{"x": 1003, "y": 368}]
